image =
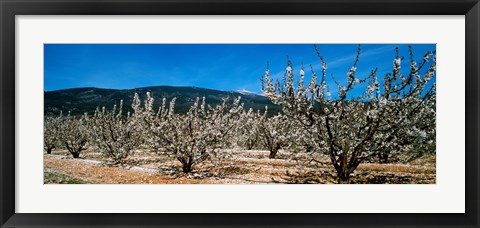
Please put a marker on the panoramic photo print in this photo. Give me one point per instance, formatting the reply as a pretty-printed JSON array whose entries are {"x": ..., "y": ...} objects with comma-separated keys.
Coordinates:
[{"x": 239, "y": 114}]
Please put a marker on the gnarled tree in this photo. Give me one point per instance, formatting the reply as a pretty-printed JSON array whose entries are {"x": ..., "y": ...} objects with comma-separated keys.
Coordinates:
[
  {"x": 75, "y": 133},
  {"x": 388, "y": 117},
  {"x": 193, "y": 137},
  {"x": 51, "y": 132},
  {"x": 157, "y": 125},
  {"x": 276, "y": 133},
  {"x": 248, "y": 129},
  {"x": 114, "y": 134}
]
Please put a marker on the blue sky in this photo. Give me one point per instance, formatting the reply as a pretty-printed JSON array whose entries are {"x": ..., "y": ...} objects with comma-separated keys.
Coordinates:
[{"x": 215, "y": 66}]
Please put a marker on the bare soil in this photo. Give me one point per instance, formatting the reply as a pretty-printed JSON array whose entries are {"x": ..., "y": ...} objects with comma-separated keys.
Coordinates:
[{"x": 237, "y": 167}]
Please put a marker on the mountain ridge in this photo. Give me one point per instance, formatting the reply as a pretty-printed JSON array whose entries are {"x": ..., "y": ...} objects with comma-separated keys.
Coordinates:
[{"x": 87, "y": 99}]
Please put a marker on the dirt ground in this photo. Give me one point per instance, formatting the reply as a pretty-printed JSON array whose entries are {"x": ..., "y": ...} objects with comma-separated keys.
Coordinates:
[{"x": 238, "y": 167}]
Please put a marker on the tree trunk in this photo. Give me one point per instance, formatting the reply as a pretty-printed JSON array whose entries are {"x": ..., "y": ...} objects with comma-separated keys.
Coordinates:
[
  {"x": 250, "y": 146},
  {"x": 187, "y": 167},
  {"x": 273, "y": 153},
  {"x": 343, "y": 177},
  {"x": 49, "y": 149},
  {"x": 383, "y": 158},
  {"x": 75, "y": 154},
  {"x": 343, "y": 172},
  {"x": 308, "y": 148},
  {"x": 187, "y": 164}
]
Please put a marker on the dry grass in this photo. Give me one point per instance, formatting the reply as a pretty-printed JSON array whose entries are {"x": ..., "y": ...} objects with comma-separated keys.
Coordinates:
[
  {"x": 102, "y": 174},
  {"x": 238, "y": 167}
]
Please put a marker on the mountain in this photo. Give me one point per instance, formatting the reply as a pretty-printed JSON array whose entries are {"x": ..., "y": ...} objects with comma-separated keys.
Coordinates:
[{"x": 81, "y": 100}]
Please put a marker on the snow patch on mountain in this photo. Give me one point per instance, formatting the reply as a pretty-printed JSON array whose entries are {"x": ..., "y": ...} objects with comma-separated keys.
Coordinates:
[{"x": 248, "y": 93}]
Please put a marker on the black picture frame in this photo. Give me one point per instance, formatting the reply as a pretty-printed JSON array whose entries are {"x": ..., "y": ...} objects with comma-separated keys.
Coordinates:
[{"x": 10, "y": 8}]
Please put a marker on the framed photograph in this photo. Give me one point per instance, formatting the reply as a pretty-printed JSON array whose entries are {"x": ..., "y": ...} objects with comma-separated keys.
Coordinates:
[{"x": 210, "y": 113}]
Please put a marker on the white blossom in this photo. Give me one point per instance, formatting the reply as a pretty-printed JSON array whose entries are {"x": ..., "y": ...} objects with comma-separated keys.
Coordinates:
[{"x": 378, "y": 123}]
